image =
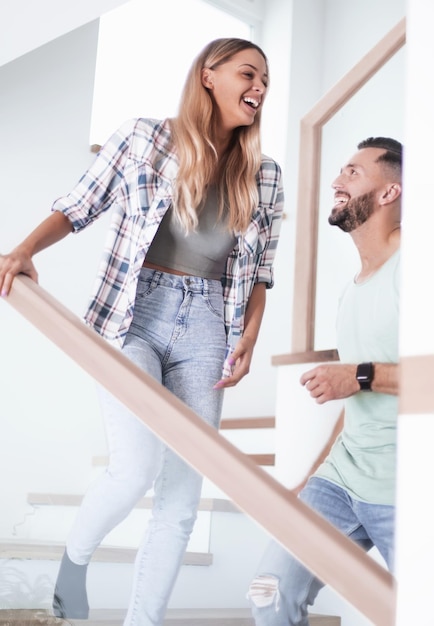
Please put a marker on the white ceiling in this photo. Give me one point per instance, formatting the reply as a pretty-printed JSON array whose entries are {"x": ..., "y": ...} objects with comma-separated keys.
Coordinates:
[{"x": 28, "y": 24}]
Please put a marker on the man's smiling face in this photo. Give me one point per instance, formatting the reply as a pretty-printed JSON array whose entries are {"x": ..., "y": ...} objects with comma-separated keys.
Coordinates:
[{"x": 356, "y": 190}]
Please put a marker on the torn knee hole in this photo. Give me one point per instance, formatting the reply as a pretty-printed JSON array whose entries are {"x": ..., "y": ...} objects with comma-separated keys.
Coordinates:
[{"x": 264, "y": 591}]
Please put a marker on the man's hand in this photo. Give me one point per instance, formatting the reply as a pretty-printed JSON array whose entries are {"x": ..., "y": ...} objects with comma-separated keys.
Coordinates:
[{"x": 331, "y": 382}]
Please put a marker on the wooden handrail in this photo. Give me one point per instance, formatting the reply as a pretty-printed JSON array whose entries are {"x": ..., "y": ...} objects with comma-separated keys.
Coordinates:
[
  {"x": 303, "y": 328},
  {"x": 333, "y": 557},
  {"x": 311, "y": 356}
]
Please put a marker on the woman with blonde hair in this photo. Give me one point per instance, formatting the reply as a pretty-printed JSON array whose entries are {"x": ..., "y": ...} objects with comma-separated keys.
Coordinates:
[{"x": 196, "y": 212}]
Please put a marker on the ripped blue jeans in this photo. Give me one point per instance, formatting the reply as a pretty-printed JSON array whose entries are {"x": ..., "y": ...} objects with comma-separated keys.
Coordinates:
[{"x": 283, "y": 589}]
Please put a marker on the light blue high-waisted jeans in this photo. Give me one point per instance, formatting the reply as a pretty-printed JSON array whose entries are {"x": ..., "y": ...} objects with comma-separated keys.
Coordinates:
[
  {"x": 283, "y": 588},
  {"x": 177, "y": 336}
]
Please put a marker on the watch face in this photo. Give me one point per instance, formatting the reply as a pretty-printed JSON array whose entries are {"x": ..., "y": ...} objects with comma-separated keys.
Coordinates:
[{"x": 364, "y": 375}]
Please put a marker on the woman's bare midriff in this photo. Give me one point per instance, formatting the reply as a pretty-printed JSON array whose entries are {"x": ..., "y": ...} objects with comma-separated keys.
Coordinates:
[{"x": 159, "y": 268}]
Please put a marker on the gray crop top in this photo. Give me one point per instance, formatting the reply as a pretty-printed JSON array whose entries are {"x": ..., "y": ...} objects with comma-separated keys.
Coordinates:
[{"x": 200, "y": 253}]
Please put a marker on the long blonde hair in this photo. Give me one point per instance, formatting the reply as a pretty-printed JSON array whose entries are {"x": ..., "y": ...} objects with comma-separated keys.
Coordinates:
[{"x": 193, "y": 131}]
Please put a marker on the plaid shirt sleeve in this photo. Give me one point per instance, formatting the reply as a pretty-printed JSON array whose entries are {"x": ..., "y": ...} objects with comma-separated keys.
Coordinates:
[
  {"x": 253, "y": 258},
  {"x": 97, "y": 188},
  {"x": 131, "y": 173},
  {"x": 271, "y": 198}
]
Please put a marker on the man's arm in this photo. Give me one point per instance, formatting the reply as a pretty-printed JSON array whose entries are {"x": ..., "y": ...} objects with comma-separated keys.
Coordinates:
[{"x": 334, "y": 381}]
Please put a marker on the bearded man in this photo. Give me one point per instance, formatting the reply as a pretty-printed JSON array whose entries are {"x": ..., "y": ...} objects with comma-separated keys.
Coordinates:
[{"x": 353, "y": 486}]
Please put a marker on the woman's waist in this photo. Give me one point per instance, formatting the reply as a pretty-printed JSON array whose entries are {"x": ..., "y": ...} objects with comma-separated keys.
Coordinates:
[{"x": 178, "y": 279}]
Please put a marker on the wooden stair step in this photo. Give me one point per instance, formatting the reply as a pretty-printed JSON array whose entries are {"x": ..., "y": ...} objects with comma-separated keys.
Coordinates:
[
  {"x": 251, "y": 423},
  {"x": 175, "y": 617},
  {"x": 220, "y": 505},
  {"x": 232, "y": 423},
  {"x": 268, "y": 460},
  {"x": 264, "y": 460},
  {"x": 53, "y": 551}
]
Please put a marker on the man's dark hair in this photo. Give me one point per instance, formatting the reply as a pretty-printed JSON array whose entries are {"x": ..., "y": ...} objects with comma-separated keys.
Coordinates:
[{"x": 393, "y": 155}]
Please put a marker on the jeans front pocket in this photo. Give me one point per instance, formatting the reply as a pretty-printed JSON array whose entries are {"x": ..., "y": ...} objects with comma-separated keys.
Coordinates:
[{"x": 214, "y": 302}]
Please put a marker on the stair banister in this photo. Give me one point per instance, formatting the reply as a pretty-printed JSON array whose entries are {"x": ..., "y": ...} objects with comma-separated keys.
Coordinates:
[
  {"x": 303, "y": 327},
  {"x": 324, "y": 550}
]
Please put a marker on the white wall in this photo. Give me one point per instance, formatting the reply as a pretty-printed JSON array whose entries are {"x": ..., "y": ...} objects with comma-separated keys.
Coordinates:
[
  {"x": 52, "y": 19},
  {"x": 48, "y": 411},
  {"x": 415, "y": 514}
]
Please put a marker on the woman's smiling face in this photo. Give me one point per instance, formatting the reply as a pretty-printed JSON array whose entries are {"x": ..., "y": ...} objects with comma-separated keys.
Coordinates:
[{"x": 238, "y": 88}]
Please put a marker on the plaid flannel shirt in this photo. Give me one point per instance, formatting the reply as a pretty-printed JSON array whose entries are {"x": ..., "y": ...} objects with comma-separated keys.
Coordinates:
[{"x": 132, "y": 175}]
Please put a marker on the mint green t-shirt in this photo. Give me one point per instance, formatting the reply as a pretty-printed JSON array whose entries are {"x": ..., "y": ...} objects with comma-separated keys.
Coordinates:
[{"x": 362, "y": 460}]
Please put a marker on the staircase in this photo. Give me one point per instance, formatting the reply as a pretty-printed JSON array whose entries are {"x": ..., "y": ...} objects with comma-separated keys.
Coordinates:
[
  {"x": 209, "y": 617},
  {"x": 43, "y": 534},
  {"x": 211, "y": 562}
]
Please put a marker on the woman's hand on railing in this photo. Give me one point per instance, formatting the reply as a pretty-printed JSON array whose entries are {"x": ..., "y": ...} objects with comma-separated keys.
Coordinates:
[
  {"x": 16, "y": 262},
  {"x": 19, "y": 261}
]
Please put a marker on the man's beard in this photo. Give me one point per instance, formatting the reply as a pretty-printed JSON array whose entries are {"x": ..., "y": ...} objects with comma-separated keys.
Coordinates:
[{"x": 354, "y": 213}]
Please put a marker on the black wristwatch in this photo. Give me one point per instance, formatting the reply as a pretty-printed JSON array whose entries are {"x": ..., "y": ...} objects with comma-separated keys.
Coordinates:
[{"x": 365, "y": 376}]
